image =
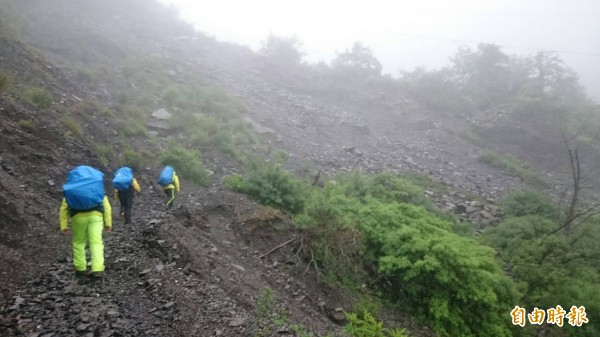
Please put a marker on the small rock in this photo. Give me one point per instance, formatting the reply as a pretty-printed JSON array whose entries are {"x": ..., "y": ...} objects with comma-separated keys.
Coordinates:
[
  {"x": 112, "y": 313},
  {"x": 238, "y": 267},
  {"x": 51, "y": 183},
  {"x": 168, "y": 305},
  {"x": 145, "y": 271},
  {"x": 81, "y": 327},
  {"x": 238, "y": 321}
]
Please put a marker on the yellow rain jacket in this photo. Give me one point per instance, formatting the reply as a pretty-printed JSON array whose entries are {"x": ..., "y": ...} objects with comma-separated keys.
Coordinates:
[
  {"x": 136, "y": 187},
  {"x": 174, "y": 185}
]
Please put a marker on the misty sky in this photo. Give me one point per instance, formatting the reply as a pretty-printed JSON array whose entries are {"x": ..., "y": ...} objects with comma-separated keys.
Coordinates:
[{"x": 407, "y": 34}]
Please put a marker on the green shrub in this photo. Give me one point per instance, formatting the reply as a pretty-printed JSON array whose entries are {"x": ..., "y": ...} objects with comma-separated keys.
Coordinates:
[
  {"x": 132, "y": 159},
  {"x": 3, "y": 81},
  {"x": 365, "y": 325},
  {"x": 103, "y": 151},
  {"x": 423, "y": 181},
  {"x": 132, "y": 127},
  {"x": 512, "y": 165},
  {"x": 271, "y": 185},
  {"x": 87, "y": 77},
  {"x": 364, "y": 224},
  {"x": 451, "y": 281},
  {"x": 550, "y": 267},
  {"x": 367, "y": 304},
  {"x": 471, "y": 136},
  {"x": 187, "y": 163},
  {"x": 234, "y": 182},
  {"x": 72, "y": 125},
  {"x": 39, "y": 97},
  {"x": 528, "y": 202},
  {"x": 27, "y": 125}
]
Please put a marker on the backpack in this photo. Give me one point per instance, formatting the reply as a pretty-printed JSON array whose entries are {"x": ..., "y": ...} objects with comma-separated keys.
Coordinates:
[
  {"x": 84, "y": 189},
  {"x": 166, "y": 176},
  {"x": 123, "y": 179}
]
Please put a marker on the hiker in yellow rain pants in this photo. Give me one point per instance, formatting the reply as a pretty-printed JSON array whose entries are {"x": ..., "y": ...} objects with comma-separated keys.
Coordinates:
[
  {"x": 87, "y": 227},
  {"x": 170, "y": 190}
]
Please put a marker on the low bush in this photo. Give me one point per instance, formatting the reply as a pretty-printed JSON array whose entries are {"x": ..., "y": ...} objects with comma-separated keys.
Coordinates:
[
  {"x": 187, "y": 163},
  {"x": 27, "y": 125},
  {"x": 39, "y": 97},
  {"x": 371, "y": 230},
  {"x": 365, "y": 325},
  {"x": 270, "y": 185},
  {"x": 72, "y": 125},
  {"x": 132, "y": 158},
  {"x": 551, "y": 268},
  {"x": 104, "y": 151},
  {"x": 528, "y": 202},
  {"x": 3, "y": 81},
  {"x": 512, "y": 165},
  {"x": 423, "y": 181}
]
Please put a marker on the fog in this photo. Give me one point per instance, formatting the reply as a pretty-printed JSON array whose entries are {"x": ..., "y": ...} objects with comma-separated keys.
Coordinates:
[{"x": 404, "y": 35}]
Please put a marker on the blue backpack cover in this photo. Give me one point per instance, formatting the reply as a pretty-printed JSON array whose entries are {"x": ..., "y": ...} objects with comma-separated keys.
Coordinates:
[
  {"x": 166, "y": 176},
  {"x": 84, "y": 189},
  {"x": 123, "y": 179}
]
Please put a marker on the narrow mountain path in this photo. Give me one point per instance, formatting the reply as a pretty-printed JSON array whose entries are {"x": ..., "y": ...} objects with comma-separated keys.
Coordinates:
[{"x": 194, "y": 270}]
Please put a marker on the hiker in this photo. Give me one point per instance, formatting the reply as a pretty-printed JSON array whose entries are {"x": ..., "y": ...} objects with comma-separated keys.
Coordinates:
[
  {"x": 170, "y": 182},
  {"x": 125, "y": 185},
  {"x": 88, "y": 208}
]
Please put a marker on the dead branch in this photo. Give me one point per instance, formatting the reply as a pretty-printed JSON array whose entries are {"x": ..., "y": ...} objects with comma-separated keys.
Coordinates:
[
  {"x": 576, "y": 175},
  {"x": 317, "y": 178},
  {"x": 274, "y": 249}
]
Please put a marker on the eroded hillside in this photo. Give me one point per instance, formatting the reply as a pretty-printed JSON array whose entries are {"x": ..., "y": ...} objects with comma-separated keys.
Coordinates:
[{"x": 82, "y": 82}]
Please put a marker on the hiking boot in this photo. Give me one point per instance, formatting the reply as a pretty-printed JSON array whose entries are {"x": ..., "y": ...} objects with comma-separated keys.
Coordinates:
[
  {"x": 81, "y": 274},
  {"x": 98, "y": 275}
]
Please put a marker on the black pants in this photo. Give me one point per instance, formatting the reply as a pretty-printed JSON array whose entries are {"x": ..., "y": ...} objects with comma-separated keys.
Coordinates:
[
  {"x": 126, "y": 201},
  {"x": 170, "y": 193}
]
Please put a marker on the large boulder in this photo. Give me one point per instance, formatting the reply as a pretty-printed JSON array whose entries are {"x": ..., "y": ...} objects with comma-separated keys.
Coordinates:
[{"x": 162, "y": 114}]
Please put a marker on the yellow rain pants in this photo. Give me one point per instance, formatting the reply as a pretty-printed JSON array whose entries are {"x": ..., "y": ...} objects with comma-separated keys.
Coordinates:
[{"x": 87, "y": 227}]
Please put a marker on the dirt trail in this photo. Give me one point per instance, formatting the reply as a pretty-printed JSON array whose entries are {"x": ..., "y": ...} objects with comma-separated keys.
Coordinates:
[{"x": 191, "y": 271}]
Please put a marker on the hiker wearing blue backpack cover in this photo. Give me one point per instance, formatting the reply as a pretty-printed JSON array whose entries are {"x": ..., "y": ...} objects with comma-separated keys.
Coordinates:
[
  {"x": 125, "y": 185},
  {"x": 170, "y": 182},
  {"x": 88, "y": 208}
]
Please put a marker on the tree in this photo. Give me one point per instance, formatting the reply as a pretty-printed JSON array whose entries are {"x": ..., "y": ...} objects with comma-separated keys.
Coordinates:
[
  {"x": 359, "y": 61},
  {"x": 282, "y": 51},
  {"x": 484, "y": 74}
]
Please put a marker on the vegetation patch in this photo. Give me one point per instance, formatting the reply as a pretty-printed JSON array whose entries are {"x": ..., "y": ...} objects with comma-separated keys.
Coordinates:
[
  {"x": 4, "y": 81},
  {"x": 104, "y": 151},
  {"x": 471, "y": 136},
  {"x": 187, "y": 163},
  {"x": 72, "y": 125},
  {"x": 376, "y": 230},
  {"x": 423, "y": 181},
  {"x": 39, "y": 97},
  {"x": 27, "y": 125},
  {"x": 551, "y": 267},
  {"x": 365, "y": 325},
  {"x": 269, "y": 184},
  {"x": 512, "y": 165},
  {"x": 132, "y": 158}
]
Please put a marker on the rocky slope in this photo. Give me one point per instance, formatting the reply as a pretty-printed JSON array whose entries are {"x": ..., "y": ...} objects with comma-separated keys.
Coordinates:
[{"x": 203, "y": 268}]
